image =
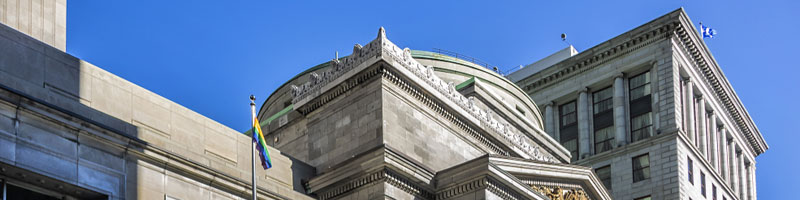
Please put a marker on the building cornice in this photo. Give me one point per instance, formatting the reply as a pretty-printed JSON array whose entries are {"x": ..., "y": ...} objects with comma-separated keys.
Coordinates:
[
  {"x": 713, "y": 76},
  {"x": 675, "y": 24},
  {"x": 425, "y": 80}
]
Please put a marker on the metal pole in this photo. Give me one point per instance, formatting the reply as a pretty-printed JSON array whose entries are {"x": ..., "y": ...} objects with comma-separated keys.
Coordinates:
[{"x": 253, "y": 145}]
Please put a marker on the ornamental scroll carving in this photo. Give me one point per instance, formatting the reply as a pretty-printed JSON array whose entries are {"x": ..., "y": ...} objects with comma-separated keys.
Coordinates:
[
  {"x": 382, "y": 47},
  {"x": 556, "y": 193}
]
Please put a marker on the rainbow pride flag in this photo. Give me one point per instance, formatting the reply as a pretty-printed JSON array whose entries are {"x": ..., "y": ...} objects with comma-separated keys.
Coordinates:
[{"x": 261, "y": 145}]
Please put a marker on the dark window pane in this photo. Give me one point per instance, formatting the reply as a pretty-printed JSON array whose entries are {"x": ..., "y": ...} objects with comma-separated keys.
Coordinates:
[
  {"x": 604, "y": 139},
  {"x": 604, "y": 173},
  {"x": 641, "y": 167},
  {"x": 15, "y": 192}
]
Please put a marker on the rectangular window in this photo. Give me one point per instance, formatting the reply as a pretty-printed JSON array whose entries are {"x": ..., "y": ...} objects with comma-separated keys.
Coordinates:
[
  {"x": 604, "y": 139},
  {"x": 713, "y": 192},
  {"x": 569, "y": 128},
  {"x": 641, "y": 168},
  {"x": 640, "y": 107},
  {"x": 640, "y": 86},
  {"x": 691, "y": 171},
  {"x": 643, "y": 198},
  {"x": 604, "y": 173},
  {"x": 603, "y": 116},
  {"x": 703, "y": 184},
  {"x": 602, "y": 100}
]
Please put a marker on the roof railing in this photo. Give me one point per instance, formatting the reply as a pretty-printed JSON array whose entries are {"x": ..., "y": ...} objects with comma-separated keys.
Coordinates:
[{"x": 493, "y": 68}]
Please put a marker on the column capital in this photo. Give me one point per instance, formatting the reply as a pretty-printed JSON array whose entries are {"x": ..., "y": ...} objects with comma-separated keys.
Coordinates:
[
  {"x": 583, "y": 90},
  {"x": 686, "y": 79},
  {"x": 710, "y": 112},
  {"x": 698, "y": 97},
  {"x": 619, "y": 75}
]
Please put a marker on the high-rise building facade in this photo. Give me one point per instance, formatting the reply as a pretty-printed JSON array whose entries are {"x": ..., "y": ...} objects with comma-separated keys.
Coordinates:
[{"x": 651, "y": 112}]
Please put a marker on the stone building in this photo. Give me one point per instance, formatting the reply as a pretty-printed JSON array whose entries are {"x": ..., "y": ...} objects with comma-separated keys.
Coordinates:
[
  {"x": 651, "y": 112},
  {"x": 381, "y": 123},
  {"x": 391, "y": 123}
]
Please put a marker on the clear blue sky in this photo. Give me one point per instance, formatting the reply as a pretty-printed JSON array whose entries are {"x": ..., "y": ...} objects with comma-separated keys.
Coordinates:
[{"x": 211, "y": 55}]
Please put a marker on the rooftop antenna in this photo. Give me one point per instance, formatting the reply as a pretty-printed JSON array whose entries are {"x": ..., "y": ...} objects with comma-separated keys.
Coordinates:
[{"x": 337, "y": 55}]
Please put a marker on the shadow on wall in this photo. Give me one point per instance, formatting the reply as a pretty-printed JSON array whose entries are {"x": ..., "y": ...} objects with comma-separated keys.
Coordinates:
[
  {"x": 71, "y": 124},
  {"x": 56, "y": 138}
]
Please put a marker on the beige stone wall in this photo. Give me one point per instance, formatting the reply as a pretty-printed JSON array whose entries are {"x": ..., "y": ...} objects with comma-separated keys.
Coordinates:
[
  {"x": 83, "y": 100},
  {"x": 422, "y": 133},
  {"x": 45, "y": 20}
]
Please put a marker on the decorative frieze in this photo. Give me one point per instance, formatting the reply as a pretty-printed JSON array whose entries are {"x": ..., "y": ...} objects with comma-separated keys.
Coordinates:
[
  {"x": 556, "y": 193},
  {"x": 383, "y": 48}
]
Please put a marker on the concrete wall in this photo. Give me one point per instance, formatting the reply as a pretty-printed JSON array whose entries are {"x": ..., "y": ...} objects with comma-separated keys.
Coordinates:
[
  {"x": 45, "y": 20},
  {"x": 80, "y": 99}
]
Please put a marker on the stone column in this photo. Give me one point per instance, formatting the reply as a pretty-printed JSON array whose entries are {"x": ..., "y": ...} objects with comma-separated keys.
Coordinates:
[
  {"x": 654, "y": 97},
  {"x": 753, "y": 190},
  {"x": 549, "y": 126},
  {"x": 723, "y": 151},
  {"x": 735, "y": 170},
  {"x": 583, "y": 123},
  {"x": 701, "y": 126},
  {"x": 732, "y": 163},
  {"x": 689, "y": 115},
  {"x": 618, "y": 99},
  {"x": 742, "y": 175},
  {"x": 712, "y": 143}
]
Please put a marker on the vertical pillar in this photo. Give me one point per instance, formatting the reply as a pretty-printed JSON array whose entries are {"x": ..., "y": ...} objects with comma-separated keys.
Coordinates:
[
  {"x": 701, "y": 126},
  {"x": 735, "y": 170},
  {"x": 654, "y": 96},
  {"x": 742, "y": 175},
  {"x": 689, "y": 115},
  {"x": 619, "y": 111},
  {"x": 753, "y": 190},
  {"x": 583, "y": 123},
  {"x": 732, "y": 163},
  {"x": 549, "y": 126},
  {"x": 712, "y": 139},
  {"x": 723, "y": 150}
]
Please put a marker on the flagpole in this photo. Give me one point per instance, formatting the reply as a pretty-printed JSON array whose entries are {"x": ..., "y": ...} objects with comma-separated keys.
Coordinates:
[{"x": 253, "y": 145}]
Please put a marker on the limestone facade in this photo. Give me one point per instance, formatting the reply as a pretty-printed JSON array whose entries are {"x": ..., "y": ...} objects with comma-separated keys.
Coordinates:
[
  {"x": 71, "y": 130},
  {"x": 392, "y": 123},
  {"x": 45, "y": 20},
  {"x": 691, "y": 114}
]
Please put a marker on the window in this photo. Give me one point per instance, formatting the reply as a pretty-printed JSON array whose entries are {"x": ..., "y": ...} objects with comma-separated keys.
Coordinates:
[
  {"x": 604, "y": 173},
  {"x": 703, "y": 184},
  {"x": 17, "y": 192},
  {"x": 603, "y": 120},
  {"x": 640, "y": 107},
  {"x": 641, "y": 168},
  {"x": 691, "y": 171},
  {"x": 569, "y": 128},
  {"x": 713, "y": 192},
  {"x": 604, "y": 139},
  {"x": 643, "y": 198},
  {"x": 602, "y": 100}
]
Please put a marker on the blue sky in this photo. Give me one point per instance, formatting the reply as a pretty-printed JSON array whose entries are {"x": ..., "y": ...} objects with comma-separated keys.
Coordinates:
[{"x": 211, "y": 55}]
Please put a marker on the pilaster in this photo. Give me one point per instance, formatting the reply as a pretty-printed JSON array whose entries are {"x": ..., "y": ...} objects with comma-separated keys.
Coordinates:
[
  {"x": 583, "y": 126},
  {"x": 619, "y": 110},
  {"x": 689, "y": 115}
]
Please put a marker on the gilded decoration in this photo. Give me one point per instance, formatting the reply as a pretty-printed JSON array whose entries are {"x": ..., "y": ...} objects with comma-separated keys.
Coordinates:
[{"x": 557, "y": 193}]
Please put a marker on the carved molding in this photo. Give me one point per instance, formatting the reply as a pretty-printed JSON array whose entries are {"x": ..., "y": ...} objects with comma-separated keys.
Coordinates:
[
  {"x": 478, "y": 184},
  {"x": 383, "y": 175},
  {"x": 631, "y": 45},
  {"x": 381, "y": 47},
  {"x": 720, "y": 86}
]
